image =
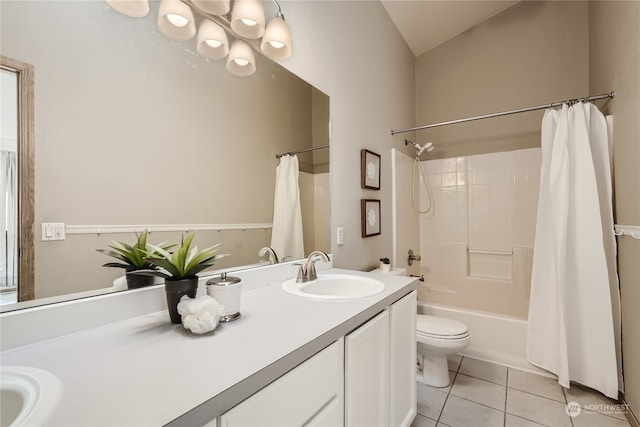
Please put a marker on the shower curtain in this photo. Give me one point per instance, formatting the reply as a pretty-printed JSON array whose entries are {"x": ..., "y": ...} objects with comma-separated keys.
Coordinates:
[
  {"x": 8, "y": 218},
  {"x": 286, "y": 235},
  {"x": 574, "y": 323}
]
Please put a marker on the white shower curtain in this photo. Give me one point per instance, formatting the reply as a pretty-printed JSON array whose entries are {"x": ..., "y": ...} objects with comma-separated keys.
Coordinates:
[
  {"x": 286, "y": 235},
  {"x": 574, "y": 324},
  {"x": 8, "y": 218}
]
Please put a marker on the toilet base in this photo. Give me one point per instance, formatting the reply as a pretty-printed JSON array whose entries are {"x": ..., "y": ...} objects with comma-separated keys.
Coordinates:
[{"x": 434, "y": 372}]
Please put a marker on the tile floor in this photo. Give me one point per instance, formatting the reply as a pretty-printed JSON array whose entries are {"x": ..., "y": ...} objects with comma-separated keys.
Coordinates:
[{"x": 484, "y": 394}]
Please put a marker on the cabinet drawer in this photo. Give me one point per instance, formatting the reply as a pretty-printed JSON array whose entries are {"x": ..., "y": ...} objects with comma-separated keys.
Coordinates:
[{"x": 312, "y": 394}]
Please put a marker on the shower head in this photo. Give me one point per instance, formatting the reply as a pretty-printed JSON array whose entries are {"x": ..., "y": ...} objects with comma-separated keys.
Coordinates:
[{"x": 426, "y": 147}]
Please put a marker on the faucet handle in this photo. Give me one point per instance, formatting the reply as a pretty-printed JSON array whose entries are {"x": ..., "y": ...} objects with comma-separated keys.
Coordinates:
[
  {"x": 302, "y": 274},
  {"x": 311, "y": 271}
]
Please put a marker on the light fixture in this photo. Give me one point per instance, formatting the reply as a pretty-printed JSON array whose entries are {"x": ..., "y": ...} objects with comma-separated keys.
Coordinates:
[
  {"x": 175, "y": 20},
  {"x": 212, "y": 40},
  {"x": 246, "y": 24},
  {"x": 133, "y": 8},
  {"x": 214, "y": 7},
  {"x": 276, "y": 41},
  {"x": 247, "y": 18},
  {"x": 241, "y": 61}
]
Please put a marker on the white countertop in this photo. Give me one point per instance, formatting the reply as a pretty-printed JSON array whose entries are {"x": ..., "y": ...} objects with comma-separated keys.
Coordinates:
[{"x": 146, "y": 371}]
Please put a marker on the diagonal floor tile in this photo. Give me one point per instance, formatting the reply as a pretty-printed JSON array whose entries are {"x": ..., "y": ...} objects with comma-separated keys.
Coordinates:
[
  {"x": 479, "y": 391},
  {"x": 536, "y": 384},
  {"x": 593, "y": 419},
  {"x": 513, "y": 421},
  {"x": 430, "y": 401},
  {"x": 594, "y": 401},
  {"x": 538, "y": 409},
  {"x": 420, "y": 421},
  {"x": 460, "y": 412}
]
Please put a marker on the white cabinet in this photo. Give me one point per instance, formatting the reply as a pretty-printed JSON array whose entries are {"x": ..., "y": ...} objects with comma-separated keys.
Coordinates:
[
  {"x": 367, "y": 373},
  {"x": 367, "y": 378},
  {"x": 310, "y": 394},
  {"x": 380, "y": 368},
  {"x": 402, "y": 400}
]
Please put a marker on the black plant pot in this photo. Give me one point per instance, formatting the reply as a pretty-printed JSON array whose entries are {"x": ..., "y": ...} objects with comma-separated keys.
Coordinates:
[
  {"x": 135, "y": 281},
  {"x": 175, "y": 289}
]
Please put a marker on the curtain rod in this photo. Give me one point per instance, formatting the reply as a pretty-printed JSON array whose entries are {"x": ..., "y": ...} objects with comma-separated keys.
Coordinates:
[
  {"x": 506, "y": 113},
  {"x": 301, "y": 151}
]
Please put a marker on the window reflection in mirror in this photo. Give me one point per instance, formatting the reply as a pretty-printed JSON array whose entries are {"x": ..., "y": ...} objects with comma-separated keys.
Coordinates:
[
  {"x": 133, "y": 129},
  {"x": 8, "y": 187}
]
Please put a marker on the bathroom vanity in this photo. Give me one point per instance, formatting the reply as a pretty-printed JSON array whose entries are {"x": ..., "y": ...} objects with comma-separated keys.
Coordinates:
[{"x": 288, "y": 360}]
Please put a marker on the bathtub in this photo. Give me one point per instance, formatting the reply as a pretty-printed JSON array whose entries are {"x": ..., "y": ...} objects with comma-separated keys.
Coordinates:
[{"x": 495, "y": 338}]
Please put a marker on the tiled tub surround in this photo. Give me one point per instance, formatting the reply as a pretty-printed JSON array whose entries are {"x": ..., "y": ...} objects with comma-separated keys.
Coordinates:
[
  {"x": 477, "y": 244},
  {"x": 144, "y": 371},
  {"x": 484, "y": 394}
]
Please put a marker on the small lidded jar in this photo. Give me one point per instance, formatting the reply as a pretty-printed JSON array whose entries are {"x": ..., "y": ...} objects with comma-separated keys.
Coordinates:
[{"x": 226, "y": 290}]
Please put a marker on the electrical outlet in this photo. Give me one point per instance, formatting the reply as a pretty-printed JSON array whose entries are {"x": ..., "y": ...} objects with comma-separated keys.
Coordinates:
[{"x": 340, "y": 235}]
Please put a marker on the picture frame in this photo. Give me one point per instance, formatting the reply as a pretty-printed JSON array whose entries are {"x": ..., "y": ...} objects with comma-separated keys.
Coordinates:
[
  {"x": 370, "y": 217},
  {"x": 369, "y": 170}
]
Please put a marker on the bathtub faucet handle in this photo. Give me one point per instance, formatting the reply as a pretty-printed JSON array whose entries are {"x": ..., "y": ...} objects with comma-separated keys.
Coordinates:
[{"x": 413, "y": 257}]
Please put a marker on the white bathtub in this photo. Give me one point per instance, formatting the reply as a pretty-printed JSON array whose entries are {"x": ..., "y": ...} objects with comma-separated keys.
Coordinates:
[{"x": 495, "y": 338}]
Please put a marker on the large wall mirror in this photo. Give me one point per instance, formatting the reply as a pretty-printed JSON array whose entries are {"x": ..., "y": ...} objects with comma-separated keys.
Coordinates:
[{"x": 133, "y": 130}]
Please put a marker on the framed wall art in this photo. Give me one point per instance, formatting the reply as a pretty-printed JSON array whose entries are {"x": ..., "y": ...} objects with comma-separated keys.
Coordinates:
[
  {"x": 369, "y": 170},
  {"x": 370, "y": 217}
]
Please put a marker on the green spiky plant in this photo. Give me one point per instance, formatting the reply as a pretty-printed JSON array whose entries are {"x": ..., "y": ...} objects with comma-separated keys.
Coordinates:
[
  {"x": 133, "y": 258},
  {"x": 185, "y": 262}
]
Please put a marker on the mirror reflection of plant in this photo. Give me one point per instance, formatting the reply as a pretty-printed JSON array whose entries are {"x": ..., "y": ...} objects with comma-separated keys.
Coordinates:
[
  {"x": 133, "y": 258},
  {"x": 185, "y": 262}
]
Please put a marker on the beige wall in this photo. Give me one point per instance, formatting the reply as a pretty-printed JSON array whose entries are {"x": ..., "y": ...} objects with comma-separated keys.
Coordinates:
[
  {"x": 614, "y": 64},
  {"x": 352, "y": 51},
  {"x": 533, "y": 53}
]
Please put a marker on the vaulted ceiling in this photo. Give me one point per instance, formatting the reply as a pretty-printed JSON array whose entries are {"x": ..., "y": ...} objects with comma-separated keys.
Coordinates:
[{"x": 425, "y": 24}]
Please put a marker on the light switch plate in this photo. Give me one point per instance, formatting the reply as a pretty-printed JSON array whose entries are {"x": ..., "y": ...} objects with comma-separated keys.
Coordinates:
[{"x": 53, "y": 231}]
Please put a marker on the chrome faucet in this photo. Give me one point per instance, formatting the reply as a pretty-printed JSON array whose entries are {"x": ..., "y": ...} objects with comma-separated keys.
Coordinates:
[
  {"x": 273, "y": 258},
  {"x": 307, "y": 272}
]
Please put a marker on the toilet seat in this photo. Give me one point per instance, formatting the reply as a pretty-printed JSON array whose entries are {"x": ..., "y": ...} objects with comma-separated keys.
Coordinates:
[{"x": 440, "y": 328}]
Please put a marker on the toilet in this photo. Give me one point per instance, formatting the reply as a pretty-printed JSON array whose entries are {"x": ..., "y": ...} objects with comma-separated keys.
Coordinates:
[{"x": 438, "y": 338}]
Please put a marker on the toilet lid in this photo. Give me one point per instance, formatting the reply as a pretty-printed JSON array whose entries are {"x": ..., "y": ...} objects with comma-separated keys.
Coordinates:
[{"x": 440, "y": 327}]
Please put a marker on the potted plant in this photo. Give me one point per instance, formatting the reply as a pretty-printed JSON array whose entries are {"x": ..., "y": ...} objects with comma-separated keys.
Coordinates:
[
  {"x": 180, "y": 270},
  {"x": 133, "y": 260},
  {"x": 385, "y": 265}
]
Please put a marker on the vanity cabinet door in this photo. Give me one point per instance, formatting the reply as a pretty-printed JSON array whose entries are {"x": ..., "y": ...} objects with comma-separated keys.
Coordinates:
[
  {"x": 311, "y": 394},
  {"x": 403, "y": 406},
  {"x": 367, "y": 373}
]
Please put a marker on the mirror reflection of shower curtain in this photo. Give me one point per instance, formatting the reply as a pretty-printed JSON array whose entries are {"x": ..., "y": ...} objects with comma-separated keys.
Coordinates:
[
  {"x": 8, "y": 219},
  {"x": 286, "y": 235},
  {"x": 574, "y": 323}
]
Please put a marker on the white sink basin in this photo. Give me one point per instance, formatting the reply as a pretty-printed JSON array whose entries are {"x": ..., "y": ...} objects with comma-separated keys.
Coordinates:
[
  {"x": 28, "y": 396},
  {"x": 335, "y": 287}
]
